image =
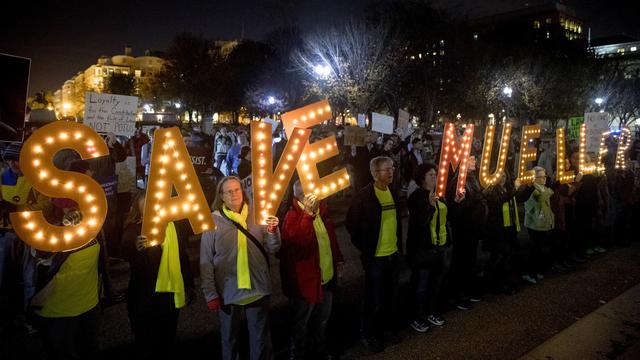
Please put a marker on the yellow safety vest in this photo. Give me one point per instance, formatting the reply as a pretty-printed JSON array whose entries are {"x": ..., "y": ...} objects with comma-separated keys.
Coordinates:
[
  {"x": 18, "y": 195},
  {"x": 507, "y": 213},
  {"x": 439, "y": 225},
  {"x": 75, "y": 287}
]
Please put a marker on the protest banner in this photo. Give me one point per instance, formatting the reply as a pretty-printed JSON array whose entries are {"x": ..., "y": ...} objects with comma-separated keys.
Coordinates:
[
  {"x": 597, "y": 123},
  {"x": 200, "y": 158},
  {"x": 106, "y": 113},
  {"x": 382, "y": 123}
]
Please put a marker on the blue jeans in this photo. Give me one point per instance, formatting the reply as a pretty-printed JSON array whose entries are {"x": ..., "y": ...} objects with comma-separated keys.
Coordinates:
[
  {"x": 257, "y": 317},
  {"x": 380, "y": 290},
  {"x": 309, "y": 325}
]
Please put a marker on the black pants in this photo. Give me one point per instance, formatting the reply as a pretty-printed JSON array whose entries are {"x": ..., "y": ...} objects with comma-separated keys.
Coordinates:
[
  {"x": 71, "y": 337},
  {"x": 500, "y": 269},
  {"x": 379, "y": 310},
  {"x": 539, "y": 251},
  {"x": 154, "y": 333},
  {"x": 464, "y": 277},
  {"x": 309, "y": 325},
  {"x": 428, "y": 282}
]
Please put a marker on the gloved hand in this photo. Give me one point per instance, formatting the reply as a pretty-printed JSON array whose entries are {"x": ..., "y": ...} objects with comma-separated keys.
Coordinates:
[{"x": 214, "y": 304}]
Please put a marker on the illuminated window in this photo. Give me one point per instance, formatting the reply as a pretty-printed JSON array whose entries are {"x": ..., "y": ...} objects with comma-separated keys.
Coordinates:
[
  {"x": 138, "y": 73},
  {"x": 547, "y": 20},
  {"x": 633, "y": 48},
  {"x": 441, "y": 42},
  {"x": 442, "y": 52},
  {"x": 475, "y": 36},
  {"x": 536, "y": 24},
  {"x": 548, "y": 35}
]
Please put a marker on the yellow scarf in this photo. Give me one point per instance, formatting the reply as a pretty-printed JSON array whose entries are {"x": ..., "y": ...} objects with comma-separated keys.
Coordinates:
[
  {"x": 324, "y": 247},
  {"x": 169, "y": 273},
  {"x": 242, "y": 264}
]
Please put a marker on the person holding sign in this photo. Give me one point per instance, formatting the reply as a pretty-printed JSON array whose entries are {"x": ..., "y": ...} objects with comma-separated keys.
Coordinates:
[
  {"x": 153, "y": 308},
  {"x": 374, "y": 224},
  {"x": 234, "y": 268},
  {"x": 428, "y": 248},
  {"x": 310, "y": 263}
]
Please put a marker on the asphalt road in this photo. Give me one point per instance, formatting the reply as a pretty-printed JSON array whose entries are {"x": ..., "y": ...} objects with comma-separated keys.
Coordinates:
[{"x": 500, "y": 327}]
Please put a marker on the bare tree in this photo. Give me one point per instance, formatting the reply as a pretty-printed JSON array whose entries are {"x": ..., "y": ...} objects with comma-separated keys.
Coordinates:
[
  {"x": 619, "y": 87},
  {"x": 352, "y": 64}
]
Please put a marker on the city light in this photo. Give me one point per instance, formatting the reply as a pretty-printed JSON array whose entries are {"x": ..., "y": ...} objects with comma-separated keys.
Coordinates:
[
  {"x": 507, "y": 91},
  {"x": 322, "y": 71},
  {"x": 271, "y": 100},
  {"x": 599, "y": 101}
]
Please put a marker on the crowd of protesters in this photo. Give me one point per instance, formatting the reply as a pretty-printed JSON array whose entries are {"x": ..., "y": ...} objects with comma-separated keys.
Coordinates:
[{"x": 437, "y": 257}]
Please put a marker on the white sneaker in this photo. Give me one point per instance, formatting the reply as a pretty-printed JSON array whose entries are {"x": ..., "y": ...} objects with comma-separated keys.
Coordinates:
[
  {"x": 419, "y": 326},
  {"x": 529, "y": 279}
]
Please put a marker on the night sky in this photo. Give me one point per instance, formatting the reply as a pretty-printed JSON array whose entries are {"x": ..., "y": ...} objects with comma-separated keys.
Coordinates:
[{"x": 66, "y": 38}]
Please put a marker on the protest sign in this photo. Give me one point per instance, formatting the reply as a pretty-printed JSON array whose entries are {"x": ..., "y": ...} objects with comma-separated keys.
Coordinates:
[
  {"x": 274, "y": 123},
  {"x": 126, "y": 172},
  {"x": 574, "y": 127},
  {"x": 382, "y": 123},
  {"x": 200, "y": 158},
  {"x": 111, "y": 113},
  {"x": 597, "y": 123},
  {"x": 354, "y": 135},
  {"x": 362, "y": 121}
]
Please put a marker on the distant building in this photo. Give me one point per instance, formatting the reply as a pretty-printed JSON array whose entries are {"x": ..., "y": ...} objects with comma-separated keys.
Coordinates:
[
  {"x": 69, "y": 100},
  {"x": 621, "y": 46},
  {"x": 545, "y": 21}
]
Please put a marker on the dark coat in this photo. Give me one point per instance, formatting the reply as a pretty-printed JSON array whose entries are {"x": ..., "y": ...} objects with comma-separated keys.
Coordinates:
[
  {"x": 363, "y": 222},
  {"x": 419, "y": 243}
]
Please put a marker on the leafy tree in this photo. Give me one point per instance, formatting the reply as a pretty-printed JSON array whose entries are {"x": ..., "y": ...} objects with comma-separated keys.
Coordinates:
[{"x": 120, "y": 84}]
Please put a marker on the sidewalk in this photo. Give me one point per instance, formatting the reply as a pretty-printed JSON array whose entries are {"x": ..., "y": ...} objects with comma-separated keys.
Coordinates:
[{"x": 610, "y": 332}]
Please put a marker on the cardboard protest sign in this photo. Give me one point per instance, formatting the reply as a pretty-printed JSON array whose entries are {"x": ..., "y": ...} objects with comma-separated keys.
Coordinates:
[
  {"x": 382, "y": 123},
  {"x": 126, "y": 172},
  {"x": 354, "y": 135},
  {"x": 111, "y": 113}
]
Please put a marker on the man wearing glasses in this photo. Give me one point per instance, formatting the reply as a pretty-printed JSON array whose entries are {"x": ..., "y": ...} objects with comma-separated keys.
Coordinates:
[{"x": 374, "y": 223}]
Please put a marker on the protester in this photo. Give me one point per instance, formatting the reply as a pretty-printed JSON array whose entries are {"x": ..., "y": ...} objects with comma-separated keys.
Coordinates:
[
  {"x": 468, "y": 222},
  {"x": 222, "y": 144},
  {"x": 234, "y": 269},
  {"x": 428, "y": 248},
  {"x": 160, "y": 283},
  {"x": 359, "y": 158},
  {"x": 373, "y": 222},
  {"x": 539, "y": 221},
  {"x": 503, "y": 224},
  {"x": 244, "y": 167},
  {"x": 310, "y": 263},
  {"x": 233, "y": 155}
]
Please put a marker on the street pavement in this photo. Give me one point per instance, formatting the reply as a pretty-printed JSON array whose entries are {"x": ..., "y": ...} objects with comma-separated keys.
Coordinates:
[{"x": 499, "y": 327}]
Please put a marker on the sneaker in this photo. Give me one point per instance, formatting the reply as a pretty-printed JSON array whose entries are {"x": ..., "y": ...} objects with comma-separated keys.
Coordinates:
[
  {"x": 539, "y": 277},
  {"x": 463, "y": 304},
  {"x": 599, "y": 250},
  {"x": 529, "y": 279},
  {"x": 419, "y": 326},
  {"x": 435, "y": 320},
  {"x": 372, "y": 344},
  {"x": 475, "y": 299}
]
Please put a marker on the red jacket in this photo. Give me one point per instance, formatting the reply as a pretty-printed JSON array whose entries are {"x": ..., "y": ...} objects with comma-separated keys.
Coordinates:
[{"x": 300, "y": 256}]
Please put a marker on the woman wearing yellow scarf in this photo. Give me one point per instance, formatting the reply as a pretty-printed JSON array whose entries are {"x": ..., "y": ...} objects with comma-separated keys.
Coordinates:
[
  {"x": 234, "y": 268},
  {"x": 160, "y": 283}
]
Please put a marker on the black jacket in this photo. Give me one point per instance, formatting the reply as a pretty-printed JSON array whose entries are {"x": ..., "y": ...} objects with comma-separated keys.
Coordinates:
[
  {"x": 472, "y": 211},
  {"x": 419, "y": 243},
  {"x": 142, "y": 296},
  {"x": 363, "y": 222},
  {"x": 497, "y": 195}
]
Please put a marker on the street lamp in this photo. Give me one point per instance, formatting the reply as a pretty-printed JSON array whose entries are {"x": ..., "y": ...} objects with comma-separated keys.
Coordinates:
[
  {"x": 323, "y": 71},
  {"x": 271, "y": 100},
  {"x": 507, "y": 91},
  {"x": 178, "y": 105},
  {"x": 599, "y": 101}
]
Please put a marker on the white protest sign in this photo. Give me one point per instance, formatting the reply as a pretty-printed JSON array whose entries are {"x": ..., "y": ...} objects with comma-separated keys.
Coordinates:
[
  {"x": 274, "y": 123},
  {"x": 597, "y": 123},
  {"x": 361, "y": 120},
  {"x": 110, "y": 113},
  {"x": 126, "y": 171},
  {"x": 247, "y": 184},
  {"x": 382, "y": 123}
]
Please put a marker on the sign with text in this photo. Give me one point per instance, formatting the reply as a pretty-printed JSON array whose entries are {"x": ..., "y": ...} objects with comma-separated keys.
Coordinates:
[
  {"x": 574, "y": 127},
  {"x": 362, "y": 120},
  {"x": 110, "y": 113},
  {"x": 382, "y": 123},
  {"x": 200, "y": 158},
  {"x": 354, "y": 135},
  {"x": 597, "y": 123}
]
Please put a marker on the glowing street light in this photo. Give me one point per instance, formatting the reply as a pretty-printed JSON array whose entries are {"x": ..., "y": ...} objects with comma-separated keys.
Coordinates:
[
  {"x": 322, "y": 71},
  {"x": 507, "y": 91},
  {"x": 271, "y": 100},
  {"x": 178, "y": 105},
  {"x": 599, "y": 101}
]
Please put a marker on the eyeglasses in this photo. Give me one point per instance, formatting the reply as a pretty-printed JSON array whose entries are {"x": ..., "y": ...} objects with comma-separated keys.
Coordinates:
[
  {"x": 232, "y": 192},
  {"x": 386, "y": 170},
  {"x": 541, "y": 177}
]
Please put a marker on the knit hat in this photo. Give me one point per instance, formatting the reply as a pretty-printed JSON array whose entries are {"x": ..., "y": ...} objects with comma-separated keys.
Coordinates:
[{"x": 12, "y": 152}]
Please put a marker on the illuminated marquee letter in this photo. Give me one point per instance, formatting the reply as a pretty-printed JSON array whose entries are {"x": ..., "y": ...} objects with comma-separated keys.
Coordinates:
[
  {"x": 562, "y": 175},
  {"x": 306, "y": 117},
  {"x": 171, "y": 168},
  {"x": 583, "y": 167},
  {"x": 624, "y": 141},
  {"x": 527, "y": 154},
  {"x": 36, "y": 163},
  {"x": 269, "y": 186},
  {"x": 454, "y": 154},
  {"x": 486, "y": 179}
]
